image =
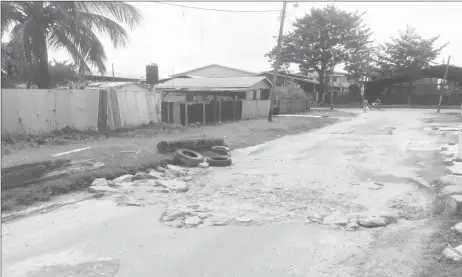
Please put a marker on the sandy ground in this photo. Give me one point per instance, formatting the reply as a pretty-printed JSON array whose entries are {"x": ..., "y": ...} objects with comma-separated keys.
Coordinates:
[{"x": 274, "y": 187}]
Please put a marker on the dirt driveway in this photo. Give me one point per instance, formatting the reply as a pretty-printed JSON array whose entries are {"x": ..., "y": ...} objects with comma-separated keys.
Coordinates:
[{"x": 374, "y": 165}]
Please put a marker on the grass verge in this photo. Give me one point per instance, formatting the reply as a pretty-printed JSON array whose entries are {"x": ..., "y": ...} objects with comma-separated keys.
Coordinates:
[{"x": 237, "y": 135}]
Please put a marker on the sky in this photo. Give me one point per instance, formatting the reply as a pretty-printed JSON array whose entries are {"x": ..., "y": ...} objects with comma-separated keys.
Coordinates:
[{"x": 179, "y": 39}]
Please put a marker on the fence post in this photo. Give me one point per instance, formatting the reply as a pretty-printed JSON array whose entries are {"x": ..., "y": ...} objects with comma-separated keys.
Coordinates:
[
  {"x": 168, "y": 113},
  {"x": 215, "y": 117},
  {"x": 203, "y": 113},
  {"x": 234, "y": 109},
  {"x": 219, "y": 110},
  {"x": 186, "y": 113}
]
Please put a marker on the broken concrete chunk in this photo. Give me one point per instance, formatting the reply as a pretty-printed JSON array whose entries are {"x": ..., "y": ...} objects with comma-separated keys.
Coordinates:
[
  {"x": 186, "y": 178},
  {"x": 336, "y": 220},
  {"x": 155, "y": 175},
  {"x": 142, "y": 176},
  {"x": 218, "y": 220},
  {"x": 454, "y": 205},
  {"x": 451, "y": 190},
  {"x": 458, "y": 249},
  {"x": 451, "y": 180},
  {"x": 315, "y": 218},
  {"x": 193, "y": 221},
  {"x": 204, "y": 165},
  {"x": 123, "y": 179},
  {"x": 352, "y": 226},
  {"x": 174, "y": 185},
  {"x": 458, "y": 228},
  {"x": 243, "y": 219},
  {"x": 372, "y": 222},
  {"x": 99, "y": 182},
  {"x": 451, "y": 254},
  {"x": 176, "y": 170}
]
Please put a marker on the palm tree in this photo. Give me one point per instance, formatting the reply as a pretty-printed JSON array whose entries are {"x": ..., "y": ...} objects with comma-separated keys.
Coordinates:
[{"x": 36, "y": 26}]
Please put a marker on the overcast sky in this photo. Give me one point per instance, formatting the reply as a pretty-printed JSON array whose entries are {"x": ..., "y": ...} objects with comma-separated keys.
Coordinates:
[{"x": 179, "y": 39}]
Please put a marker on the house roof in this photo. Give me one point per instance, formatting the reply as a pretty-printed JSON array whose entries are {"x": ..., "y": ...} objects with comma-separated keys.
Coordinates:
[
  {"x": 210, "y": 65},
  {"x": 104, "y": 85},
  {"x": 216, "y": 84},
  {"x": 291, "y": 76}
]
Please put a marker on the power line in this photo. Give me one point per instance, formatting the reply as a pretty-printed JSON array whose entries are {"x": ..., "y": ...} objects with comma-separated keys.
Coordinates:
[{"x": 217, "y": 10}]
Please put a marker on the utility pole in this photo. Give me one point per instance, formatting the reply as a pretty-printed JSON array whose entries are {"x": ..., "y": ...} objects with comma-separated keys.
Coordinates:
[
  {"x": 443, "y": 83},
  {"x": 332, "y": 84},
  {"x": 276, "y": 66},
  {"x": 112, "y": 72}
]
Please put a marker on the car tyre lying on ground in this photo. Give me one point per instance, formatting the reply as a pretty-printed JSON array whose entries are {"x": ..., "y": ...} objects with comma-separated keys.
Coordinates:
[
  {"x": 221, "y": 150},
  {"x": 219, "y": 161},
  {"x": 189, "y": 157}
]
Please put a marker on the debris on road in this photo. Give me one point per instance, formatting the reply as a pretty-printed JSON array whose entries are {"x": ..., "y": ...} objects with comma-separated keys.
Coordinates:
[
  {"x": 189, "y": 157},
  {"x": 458, "y": 228},
  {"x": 335, "y": 219},
  {"x": 173, "y": 185},
  {"x": 204, "y": 165},
  {"x": 372, "y": 222},
  {"x": 219, "y": 161},
  {"x": 193, "y": 144},
  {"x": 123, "y": 179},
  {"x": 453, "y": 254},
  {"x": 454, "y": 205},
  {"x": 100, "y": 185}
]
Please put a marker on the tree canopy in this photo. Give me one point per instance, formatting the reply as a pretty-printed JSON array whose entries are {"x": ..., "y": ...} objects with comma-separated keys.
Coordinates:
[
  {"x": 322, "y": 39},
  {"x": 72, "y": 26}
]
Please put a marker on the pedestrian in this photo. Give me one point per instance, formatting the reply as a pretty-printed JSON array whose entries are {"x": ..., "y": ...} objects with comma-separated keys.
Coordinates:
[{"x": 365, "y": 105}]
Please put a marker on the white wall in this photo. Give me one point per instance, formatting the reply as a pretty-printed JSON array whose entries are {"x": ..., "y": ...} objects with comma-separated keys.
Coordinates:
[{"x": 35, "y": 111}]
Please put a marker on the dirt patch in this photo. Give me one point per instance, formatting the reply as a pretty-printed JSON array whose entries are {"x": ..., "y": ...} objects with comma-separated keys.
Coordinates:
[{"x": 116, "y": 163}]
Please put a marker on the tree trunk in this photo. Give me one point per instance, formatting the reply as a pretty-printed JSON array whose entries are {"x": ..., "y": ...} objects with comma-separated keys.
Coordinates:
[
  {"x": 43, "y": 75},
  {"x": 409, "y": 94},
  {"x": 321, "y": 83}
]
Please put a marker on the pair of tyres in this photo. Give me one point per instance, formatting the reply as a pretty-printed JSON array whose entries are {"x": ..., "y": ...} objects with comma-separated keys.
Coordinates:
[
  {"x": 189, "y": 157},
  {"x": 219, "y": 160},
  {"x": 221, "y": 150}
]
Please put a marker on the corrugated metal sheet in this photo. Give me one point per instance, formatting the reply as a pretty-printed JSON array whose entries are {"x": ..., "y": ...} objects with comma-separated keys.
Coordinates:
[
  {"x": 215, "y": 83},
  {"x": 104, "y": 85}
]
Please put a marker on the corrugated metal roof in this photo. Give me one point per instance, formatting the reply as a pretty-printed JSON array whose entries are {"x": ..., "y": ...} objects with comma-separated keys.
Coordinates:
[
  {"x": 196, "y": 83},
  {"x": 104, "y": 85}
]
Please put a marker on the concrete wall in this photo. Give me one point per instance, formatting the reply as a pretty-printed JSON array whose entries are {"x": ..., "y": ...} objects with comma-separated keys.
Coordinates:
[
  {"x": 35, "y": 111},
  {"x": 255, "y": 108}
]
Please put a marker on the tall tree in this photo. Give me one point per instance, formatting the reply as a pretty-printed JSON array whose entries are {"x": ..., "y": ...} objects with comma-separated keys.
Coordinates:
[
  {"x": 408, "y": 54},
  {"x": 72, "y": 26},
  {"x": 323, "y": 39}
]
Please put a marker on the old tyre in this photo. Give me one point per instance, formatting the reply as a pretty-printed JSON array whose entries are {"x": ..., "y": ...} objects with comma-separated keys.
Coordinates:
[
  {"x": 221, "y": 150},
  {"x": 189, "y": 157},
  {"x": 219, "y": 161}
]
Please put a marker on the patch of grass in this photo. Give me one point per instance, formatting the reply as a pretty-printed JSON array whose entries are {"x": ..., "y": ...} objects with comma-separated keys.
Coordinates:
[
  {"x": 433, "y": 266},
  {"x": 108, "y": 151}
]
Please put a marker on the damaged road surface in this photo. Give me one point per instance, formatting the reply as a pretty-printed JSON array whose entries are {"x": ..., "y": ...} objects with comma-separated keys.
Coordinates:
[{"x": 345, "y": 200}]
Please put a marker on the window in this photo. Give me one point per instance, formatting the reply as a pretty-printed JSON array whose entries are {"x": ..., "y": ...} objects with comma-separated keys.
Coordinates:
[
  {"x": 254, "y": 95},
  {"x": 189, "y": 97}
]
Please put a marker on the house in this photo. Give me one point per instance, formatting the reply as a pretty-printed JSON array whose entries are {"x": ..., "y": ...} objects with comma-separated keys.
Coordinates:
[
  {"x": 340, "y": 84},
  {"x": 182, "y": 89},
  {"x": 286, "y": 83},
  {"x": 292, "y": 86}
]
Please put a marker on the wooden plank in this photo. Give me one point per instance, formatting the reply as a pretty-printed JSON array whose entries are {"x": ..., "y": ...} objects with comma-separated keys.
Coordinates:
[
  {"x": 203, "y": 113},
  {"x": 186, "y": 113},
  {"x": 102, "y": 111},
  {"x": 219, "y": 110}
]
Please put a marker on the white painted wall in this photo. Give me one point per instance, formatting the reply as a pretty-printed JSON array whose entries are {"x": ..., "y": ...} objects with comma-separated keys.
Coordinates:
[{"x": 35, "y": 111}]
